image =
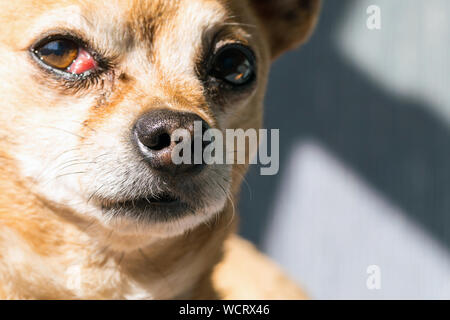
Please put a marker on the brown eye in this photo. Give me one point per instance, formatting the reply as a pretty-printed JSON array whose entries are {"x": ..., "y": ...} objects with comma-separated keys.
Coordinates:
[{"x": 59, "y": 54}]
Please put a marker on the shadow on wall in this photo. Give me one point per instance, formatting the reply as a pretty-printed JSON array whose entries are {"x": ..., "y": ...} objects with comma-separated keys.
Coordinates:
[{"x": 397, "y": 145}]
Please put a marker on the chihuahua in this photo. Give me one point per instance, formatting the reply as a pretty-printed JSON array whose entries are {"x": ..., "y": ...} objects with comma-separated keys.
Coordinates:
[{"x": 91, "y": 204}]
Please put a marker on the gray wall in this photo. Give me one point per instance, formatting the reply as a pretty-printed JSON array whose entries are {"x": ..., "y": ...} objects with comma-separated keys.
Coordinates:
[{"x": 364, "y": 119}]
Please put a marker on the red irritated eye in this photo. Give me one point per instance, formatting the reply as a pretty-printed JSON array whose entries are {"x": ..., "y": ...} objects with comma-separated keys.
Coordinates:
[
  {"x": 66, "y": 55},
  {"x": 83, "y": 63}
]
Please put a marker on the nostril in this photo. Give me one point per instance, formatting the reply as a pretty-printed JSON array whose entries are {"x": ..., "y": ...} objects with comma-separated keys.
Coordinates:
[
  {"x": 152, "y": 134},
  {"x": 157, "y": 142}
]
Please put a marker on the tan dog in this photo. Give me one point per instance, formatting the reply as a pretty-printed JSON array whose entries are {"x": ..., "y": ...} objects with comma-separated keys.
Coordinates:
[{"x": 90, "y": 206}]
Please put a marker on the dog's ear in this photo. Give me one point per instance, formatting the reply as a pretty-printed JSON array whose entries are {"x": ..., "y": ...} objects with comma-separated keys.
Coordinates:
[{"x": 287, "y": 23}]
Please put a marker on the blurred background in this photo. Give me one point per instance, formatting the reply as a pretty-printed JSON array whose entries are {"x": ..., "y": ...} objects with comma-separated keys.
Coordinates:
[{"x": 364, "y": 119}]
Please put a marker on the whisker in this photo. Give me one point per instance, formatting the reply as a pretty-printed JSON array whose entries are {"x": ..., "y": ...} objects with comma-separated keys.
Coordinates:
[
  {"x": 94, "y": 194},
  {"x": 68, "y": 174},
  {"x": 247, "y": 184},
  {"x": 78, "y": 163},
  {"x": 50, "y": 163},
  {"x": 66, "y": 131},
  {"x": 238, "y": 24}
]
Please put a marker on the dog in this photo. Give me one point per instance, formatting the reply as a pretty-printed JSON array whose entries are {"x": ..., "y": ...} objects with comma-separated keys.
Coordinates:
[{"x": 91, "y": 206}]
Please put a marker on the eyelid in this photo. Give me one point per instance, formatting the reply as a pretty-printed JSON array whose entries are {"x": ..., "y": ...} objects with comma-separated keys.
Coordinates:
[
  {"x": 233, "y": 43},
  {"x": 58, "y": 34},
  {"x": 219, "y": 45},
  {"x": 221, "y": 34}
]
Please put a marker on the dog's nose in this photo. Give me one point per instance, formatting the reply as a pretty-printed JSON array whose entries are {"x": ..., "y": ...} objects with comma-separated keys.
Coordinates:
[{"x": 153, "y": 133}]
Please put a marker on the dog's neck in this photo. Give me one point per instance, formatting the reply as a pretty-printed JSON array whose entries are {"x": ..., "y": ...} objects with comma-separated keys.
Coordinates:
[{"x": 43, "y": 247}]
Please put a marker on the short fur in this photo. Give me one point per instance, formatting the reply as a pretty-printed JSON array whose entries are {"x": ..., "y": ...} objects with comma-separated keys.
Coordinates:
[{"x": 65, "y": 148}]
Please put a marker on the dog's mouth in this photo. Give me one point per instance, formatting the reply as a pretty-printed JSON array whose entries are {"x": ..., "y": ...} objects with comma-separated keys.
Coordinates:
[
  {"x": 157, "y": 207},
  {"x": 163, "y": 199}
]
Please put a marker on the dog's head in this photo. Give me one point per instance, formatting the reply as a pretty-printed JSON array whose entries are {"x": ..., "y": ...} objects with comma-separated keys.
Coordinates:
[{"x": 91, "y": 90}]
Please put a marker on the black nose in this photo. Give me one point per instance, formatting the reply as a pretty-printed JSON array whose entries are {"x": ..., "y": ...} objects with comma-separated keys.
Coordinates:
[{"x": 153, "y": 132}]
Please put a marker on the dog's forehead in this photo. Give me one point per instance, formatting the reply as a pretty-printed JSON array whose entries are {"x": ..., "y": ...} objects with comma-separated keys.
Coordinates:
[
  {"x": 113, "y": 22},
  {"x": 173, "y": 31}
]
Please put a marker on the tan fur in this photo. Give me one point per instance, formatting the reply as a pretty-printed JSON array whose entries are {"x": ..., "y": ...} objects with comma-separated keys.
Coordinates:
[
  {"x": 246, "y": 274},
  {"x": 62, "y": 149}
]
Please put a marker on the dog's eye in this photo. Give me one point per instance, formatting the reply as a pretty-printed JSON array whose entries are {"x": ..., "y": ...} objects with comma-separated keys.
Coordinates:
[
  {"x": 234, "y": 64},
  {"x": 66, "y": 55}
]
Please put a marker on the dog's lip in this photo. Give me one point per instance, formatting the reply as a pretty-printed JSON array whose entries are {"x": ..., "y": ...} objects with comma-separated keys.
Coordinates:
[
  {"x": 160, "y": 208},
  {"x": 162, "y": 199}
]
